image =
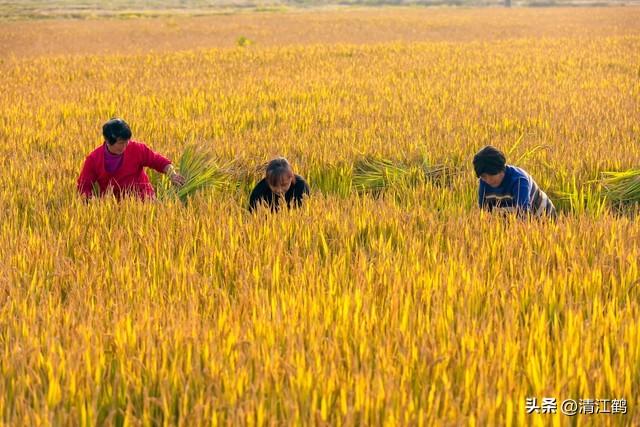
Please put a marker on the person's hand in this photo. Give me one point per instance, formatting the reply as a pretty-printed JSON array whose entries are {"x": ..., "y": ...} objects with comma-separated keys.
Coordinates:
[{"x": 176, "y": 179}]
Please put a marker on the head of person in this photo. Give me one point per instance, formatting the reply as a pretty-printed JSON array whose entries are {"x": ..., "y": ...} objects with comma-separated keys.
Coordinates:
[
  {"x": 117, "y": 134},
  {"x": 489, "y": 164},
  {"x": 279, "y": 175}
]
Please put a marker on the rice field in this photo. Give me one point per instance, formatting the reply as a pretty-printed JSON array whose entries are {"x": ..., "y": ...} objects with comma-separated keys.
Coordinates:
[{"x": 400, "y": 306}]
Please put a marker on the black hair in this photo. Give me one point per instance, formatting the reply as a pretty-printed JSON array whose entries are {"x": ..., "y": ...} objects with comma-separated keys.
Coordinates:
[
  {"x": 489, "y": 160},
  {"x": 115, "y": 129},
  {"x": 277, "y": 169}
]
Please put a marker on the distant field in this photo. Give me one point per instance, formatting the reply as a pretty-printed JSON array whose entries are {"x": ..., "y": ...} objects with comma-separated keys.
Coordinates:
[
  {"x": 359, "y": 26},
  {"x": 127, "y": 9},
  {"x": 403, "y": 306}
]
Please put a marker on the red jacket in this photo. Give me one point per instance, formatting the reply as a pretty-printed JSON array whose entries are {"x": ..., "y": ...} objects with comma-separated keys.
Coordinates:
[{"x": 129, "y": 178}]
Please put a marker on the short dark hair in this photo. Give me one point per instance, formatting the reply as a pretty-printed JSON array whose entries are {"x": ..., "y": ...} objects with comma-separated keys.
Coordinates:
[
  {"x": 277, "y": 169},
  {"x": 115, "y": 129},
  {"x": 489, "y": 160}
]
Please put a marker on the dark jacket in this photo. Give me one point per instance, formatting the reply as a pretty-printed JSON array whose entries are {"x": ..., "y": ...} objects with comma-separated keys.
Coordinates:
[{"x": 262, "y": 194}]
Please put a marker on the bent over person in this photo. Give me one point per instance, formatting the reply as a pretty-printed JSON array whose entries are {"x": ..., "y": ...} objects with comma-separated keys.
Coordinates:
[
  {"x": 506, "y": 188},
  {"x": 118, "y": 165},
  {"x": 279, "y": 186}
]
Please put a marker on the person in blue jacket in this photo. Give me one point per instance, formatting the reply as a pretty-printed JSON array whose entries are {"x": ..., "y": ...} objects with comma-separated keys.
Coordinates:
[{"x": 505, "y": 188}]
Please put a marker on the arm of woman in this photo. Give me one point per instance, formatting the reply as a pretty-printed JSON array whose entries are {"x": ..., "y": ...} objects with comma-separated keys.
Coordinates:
[
  {"x": 161, "y": 164},
  {"x": 305, "y": 191},
  {"x": 153, "y": 160},
  {"x": 254, "y": 198},
  {"x": 88, "y": 176}
]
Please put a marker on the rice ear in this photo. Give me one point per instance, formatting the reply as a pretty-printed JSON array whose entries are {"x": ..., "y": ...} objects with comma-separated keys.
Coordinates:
[{"x": 515, "y": 144}]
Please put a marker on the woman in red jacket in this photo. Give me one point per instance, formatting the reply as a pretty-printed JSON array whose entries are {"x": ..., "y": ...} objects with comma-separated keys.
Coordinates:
[{"x": 118, "y": 165}]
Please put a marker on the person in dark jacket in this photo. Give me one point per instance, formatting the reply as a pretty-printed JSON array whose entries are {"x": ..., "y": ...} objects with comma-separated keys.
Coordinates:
[
  {"x": 506, "y": 188},
  {"x": 279, "y": 186}
]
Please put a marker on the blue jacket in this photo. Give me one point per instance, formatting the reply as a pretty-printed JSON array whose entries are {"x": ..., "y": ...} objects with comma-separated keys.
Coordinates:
[{"x": 517, "y": 192}]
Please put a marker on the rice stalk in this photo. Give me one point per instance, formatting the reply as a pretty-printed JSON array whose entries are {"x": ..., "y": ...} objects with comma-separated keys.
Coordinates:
[
  {"x": 622, "y": 188},
  {"x": 200, "y": 170}
]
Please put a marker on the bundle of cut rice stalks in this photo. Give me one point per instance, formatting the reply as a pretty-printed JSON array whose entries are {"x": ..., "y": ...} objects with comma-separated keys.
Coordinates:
[
  {"x": 200, "y": 170},
  {"x": 622, "y": 188},
  {"x": 375, "y": 175}
]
